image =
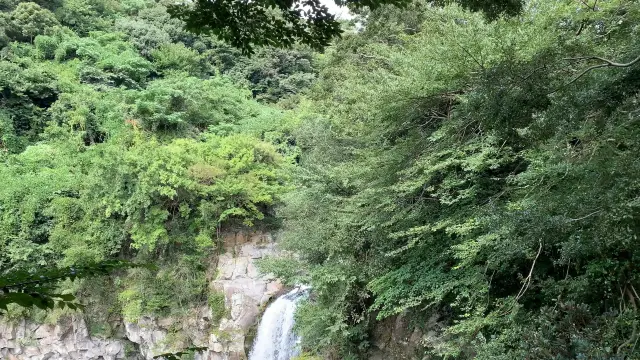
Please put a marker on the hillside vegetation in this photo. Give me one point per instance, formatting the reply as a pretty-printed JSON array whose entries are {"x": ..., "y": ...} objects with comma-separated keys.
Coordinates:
[
  {"x": 122, "y": 136},
  {"x": 483, "y": 171},
  {"x": 431, "y": 161}
]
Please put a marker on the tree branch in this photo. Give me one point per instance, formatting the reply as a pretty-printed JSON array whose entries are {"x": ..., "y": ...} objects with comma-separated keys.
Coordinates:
[
  {"x": 580, "y": 29},
  {"x": 470, "y": 55},
  {"x": 605, "y": 63},
  {"x": 527, "y": 280},
  {"x": 584, "y": 217}
]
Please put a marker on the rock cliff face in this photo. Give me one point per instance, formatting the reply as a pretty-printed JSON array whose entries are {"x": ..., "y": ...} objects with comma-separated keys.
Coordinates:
[
  {"x": 67, "y": 340},
  {"x": 396, "y": 338},
  {"x": 246, "y": 293}
]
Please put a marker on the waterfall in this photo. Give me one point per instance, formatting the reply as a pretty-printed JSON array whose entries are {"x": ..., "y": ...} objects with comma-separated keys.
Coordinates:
[{"x": 275, "y": 339}]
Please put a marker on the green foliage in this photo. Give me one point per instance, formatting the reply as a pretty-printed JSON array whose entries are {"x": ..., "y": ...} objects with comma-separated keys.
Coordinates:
[
  {"x": 46, "y": 46},
  {"x": 307, "y": 357},
  {"x": 287, "y": 268},
  {"x": 281, "y": 24},
  {"x": 84, "y": 16},
  {"x": 127, "y": 67},
  {"x": 465, "y": 168},
  {"x": 167, "y": 291},
  {"x": 245, "y": 25},
  {"x": 121, "y": 65},
  {"x": 122, "y": 143},
  {"x": 177, "y": 57},
  {"x": 132, "y": 7},
  {"x": 182, "y": 104},
  {"x": 481, "y": 171},
  {"x": 273, "y": 74},
  {"x": 30, "y": 20},
  {"x": 37, "y": 288},
  {"x": 216, "y": 301},
  {"x": 29, "y": 91},
  {"x": 144, "y": 36}
]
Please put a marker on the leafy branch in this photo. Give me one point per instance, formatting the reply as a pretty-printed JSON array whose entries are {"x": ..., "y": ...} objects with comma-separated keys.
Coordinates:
[
  {"x": 604, "y": 63},
  {"x": 29, "y": 289}
]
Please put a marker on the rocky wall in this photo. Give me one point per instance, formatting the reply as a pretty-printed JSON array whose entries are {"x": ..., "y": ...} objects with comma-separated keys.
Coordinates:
[
  {"x": 246, "y": 293},
  {"x": 69, "y": 339}
]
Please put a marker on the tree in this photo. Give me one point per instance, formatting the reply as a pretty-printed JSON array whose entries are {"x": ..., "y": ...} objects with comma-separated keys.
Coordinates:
[
  {"x": 30, "y": 19},
  {"x": 83, "y": 15},
  {"x": 281, "y": 23},
  {"x": 39, "y": 288},
  {"x": 461, "y": 168}
]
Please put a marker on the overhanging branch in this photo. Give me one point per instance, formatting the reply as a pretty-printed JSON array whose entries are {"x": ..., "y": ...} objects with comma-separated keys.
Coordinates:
[{"x": 604, "y": 63}]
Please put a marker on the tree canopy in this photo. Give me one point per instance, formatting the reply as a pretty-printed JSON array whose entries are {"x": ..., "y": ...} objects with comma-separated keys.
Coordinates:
[
  {"x": 121, "y": 149},
  {"x": 476, "y": 179},
  {"x": 465, "y": 175},
  {"x": 250, "y": 24}
]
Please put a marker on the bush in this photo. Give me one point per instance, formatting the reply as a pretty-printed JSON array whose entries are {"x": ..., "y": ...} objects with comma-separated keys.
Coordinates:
[
  {"x": 31, "y": 20},
  {"x": 178, "y": 58},
  {"x": 216, "y": 302},
  {"x": 172, "y": 290},
  {"x": 46, "y": 46}
]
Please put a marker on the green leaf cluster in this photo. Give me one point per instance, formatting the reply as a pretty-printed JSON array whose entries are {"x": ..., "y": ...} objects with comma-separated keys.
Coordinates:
[
  {"x": 118, "y": 144},
  {"x": 477, "y": 172}
]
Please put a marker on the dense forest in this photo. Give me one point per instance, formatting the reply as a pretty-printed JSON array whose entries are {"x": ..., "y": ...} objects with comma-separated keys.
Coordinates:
[
  {"x": 124, "y": 137},
  {"x": 479, "y": 166}
]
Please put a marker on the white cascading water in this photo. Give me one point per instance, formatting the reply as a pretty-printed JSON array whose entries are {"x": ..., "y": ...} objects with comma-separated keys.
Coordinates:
[{"x": 275, "y": 339}]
